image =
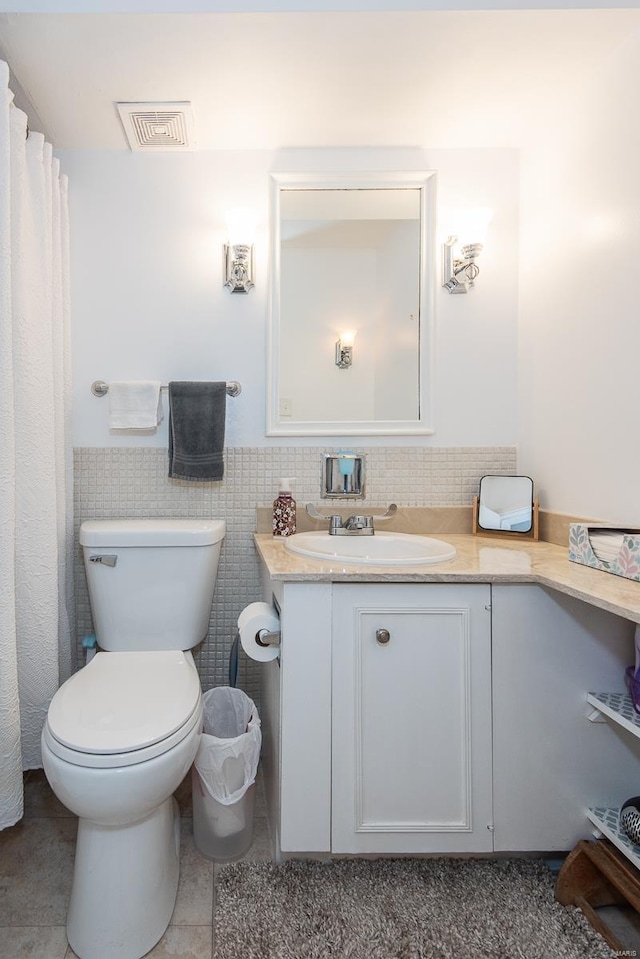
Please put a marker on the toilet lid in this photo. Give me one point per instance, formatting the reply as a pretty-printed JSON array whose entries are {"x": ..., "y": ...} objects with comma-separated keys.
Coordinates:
[{"x": 120, "y": 702}]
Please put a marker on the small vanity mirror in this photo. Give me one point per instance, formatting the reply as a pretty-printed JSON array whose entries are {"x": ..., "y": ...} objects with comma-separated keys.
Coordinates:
[
  {"x": 506, "y": 503},
  {"x": 350, "y": 319}
]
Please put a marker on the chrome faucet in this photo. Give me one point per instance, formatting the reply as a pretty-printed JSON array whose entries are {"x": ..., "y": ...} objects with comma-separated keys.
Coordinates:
[{"x": 360, "y": 524}]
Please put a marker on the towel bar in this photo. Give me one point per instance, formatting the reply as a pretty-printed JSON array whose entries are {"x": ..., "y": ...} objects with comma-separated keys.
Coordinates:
[{"x": 100, "y": 388}]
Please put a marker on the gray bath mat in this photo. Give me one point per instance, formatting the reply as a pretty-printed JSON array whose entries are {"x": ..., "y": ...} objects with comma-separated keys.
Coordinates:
[{"x": 397, "y": 909}]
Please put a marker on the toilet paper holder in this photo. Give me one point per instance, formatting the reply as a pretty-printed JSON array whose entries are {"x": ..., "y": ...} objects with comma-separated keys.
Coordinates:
[
  {"x": 260, "y": 631},
  {"x": 265, "y": 638}
]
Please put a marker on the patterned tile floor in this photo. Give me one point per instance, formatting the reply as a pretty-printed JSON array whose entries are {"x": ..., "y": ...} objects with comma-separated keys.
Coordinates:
[{"x": 36, "y": 865}]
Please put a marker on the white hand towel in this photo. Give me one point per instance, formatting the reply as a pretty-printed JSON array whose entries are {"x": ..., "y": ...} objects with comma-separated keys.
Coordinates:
[{"x": 135, "y": 405}]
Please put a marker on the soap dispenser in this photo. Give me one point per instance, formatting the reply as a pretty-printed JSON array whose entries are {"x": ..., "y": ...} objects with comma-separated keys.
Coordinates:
[{"x": 284, "y": 510}]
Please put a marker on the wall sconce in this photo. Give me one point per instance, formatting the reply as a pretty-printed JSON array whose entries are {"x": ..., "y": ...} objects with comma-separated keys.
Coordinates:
[
  {"x": 344, "y": 349},
  {"x": 459, "y": 273},
  {"x": 238, "y": 251}
]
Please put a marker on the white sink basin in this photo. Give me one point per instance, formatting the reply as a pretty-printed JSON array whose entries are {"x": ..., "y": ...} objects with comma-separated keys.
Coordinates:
[{"x": 381, "y": 549}]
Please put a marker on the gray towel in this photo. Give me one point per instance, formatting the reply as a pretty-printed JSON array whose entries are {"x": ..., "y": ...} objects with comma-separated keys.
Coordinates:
[{"x": 196, "y": 430}]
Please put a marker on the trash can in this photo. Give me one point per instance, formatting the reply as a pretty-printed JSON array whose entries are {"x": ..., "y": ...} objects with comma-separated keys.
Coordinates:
[{"x": 223, "y": 774}]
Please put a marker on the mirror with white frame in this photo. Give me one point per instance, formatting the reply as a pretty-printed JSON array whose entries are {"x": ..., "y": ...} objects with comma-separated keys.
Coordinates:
[
  {"x": 506, "y": 503},
  {"x": 351, "y": 304}
]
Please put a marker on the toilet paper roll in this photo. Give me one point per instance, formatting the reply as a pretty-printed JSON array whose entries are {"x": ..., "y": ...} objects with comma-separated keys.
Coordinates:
[{"x": 252, "y": 619}]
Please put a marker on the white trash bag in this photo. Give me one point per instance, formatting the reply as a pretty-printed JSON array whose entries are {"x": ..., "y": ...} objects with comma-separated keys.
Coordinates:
[
  {"x": 229, "y": 750},
  {"x": 224, "y": 773}
]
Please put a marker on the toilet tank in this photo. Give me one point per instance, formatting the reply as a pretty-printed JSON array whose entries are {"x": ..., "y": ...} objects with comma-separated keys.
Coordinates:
[{"x": 151, "y": 581}]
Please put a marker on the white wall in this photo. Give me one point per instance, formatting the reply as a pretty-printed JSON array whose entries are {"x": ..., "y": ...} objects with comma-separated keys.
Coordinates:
[
  {"x": 148, "y": 300},
  {"x": 580, "y": 302}
]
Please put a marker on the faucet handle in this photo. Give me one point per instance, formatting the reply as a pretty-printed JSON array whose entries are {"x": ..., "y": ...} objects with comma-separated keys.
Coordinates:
[
  {"x": 315, "y": 514},
  {"x": 391, "y": 511},
  {"x": 335, "y": 520}
]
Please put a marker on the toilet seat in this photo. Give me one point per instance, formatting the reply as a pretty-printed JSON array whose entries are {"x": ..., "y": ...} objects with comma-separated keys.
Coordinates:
[{"x": 124, "y": 708}]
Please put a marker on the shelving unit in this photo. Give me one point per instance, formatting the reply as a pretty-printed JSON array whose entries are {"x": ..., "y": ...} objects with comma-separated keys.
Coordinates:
[
  {"x": 618, "y": 708},
  {"x": 605, "y": 872},
  {"x": 607, "y": 821}
]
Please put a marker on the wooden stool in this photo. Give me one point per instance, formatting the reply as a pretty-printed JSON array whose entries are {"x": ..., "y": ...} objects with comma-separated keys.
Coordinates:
[{"x": 596, "y": 874}]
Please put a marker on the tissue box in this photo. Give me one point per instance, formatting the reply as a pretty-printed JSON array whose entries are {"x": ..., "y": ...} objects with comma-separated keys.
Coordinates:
[{"x": 627, "y": 561}]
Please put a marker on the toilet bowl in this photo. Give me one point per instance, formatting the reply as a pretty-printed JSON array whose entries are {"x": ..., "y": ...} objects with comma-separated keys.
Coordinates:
[
  {"x": 120, "y": 736},
  {"x": 122, "y": 733}
]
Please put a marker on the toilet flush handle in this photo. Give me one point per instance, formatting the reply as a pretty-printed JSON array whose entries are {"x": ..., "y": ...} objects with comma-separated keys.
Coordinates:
[{"x": 105, "y": 560}]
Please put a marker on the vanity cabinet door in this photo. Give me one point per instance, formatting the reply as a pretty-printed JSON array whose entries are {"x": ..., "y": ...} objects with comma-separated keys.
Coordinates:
[{"x": 411, "y": 730}]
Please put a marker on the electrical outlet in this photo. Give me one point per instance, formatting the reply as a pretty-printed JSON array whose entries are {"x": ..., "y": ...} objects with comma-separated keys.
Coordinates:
[{"x": 285, "y": 406}]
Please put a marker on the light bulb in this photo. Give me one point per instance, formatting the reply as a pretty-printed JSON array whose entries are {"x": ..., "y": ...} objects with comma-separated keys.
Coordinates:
[
  {"x": 473, "y": 225},
  {"x": 241, "y": 226}
]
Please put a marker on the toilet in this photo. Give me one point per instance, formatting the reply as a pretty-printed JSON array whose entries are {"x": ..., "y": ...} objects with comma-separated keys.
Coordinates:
[{"x": 122, "y": 732}]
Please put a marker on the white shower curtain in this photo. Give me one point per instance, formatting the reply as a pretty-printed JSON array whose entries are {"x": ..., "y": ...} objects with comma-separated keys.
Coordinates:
[{"x": 36, "y": 534}]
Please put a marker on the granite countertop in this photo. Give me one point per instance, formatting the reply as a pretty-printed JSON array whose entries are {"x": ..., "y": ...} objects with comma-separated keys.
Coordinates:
[{"x": 480, "y": 559}]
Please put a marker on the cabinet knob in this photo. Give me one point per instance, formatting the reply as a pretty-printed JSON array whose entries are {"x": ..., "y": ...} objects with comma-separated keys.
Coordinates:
[{"x": 383, "y": 636}]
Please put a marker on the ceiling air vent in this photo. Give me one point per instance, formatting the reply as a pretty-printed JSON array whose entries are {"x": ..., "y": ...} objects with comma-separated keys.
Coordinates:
[{"x": 158, "y": 126}]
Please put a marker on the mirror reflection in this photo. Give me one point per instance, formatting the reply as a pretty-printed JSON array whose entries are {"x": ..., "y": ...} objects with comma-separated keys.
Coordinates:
[
  {"x": 348, "y": 337},
  {"x": 506, "y": 503}
]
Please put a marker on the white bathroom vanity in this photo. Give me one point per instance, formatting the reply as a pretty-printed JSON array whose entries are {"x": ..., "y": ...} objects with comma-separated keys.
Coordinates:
[{"x": 448, "y": 709}]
